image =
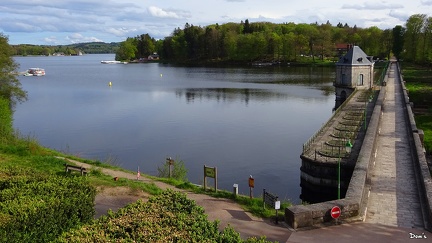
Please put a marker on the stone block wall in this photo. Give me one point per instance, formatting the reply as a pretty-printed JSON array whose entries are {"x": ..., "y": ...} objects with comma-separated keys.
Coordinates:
[{"x": 421, "y": 167}]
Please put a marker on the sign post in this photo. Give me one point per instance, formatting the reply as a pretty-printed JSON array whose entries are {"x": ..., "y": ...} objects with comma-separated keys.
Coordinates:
[
  {"x": 335, "y": 212},
  {"x": 251, "y": 186},
  {"x": 170, "y": 163},
  {"x": 212, "y": 173},
  {"x": 271, "y": 200}
]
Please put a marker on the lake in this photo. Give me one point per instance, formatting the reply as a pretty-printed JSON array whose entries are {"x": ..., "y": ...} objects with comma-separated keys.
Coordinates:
[{"x": 243, "y": 120}]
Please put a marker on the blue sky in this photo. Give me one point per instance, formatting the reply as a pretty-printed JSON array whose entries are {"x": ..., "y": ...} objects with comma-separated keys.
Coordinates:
[{"x": 59, "y": 22}]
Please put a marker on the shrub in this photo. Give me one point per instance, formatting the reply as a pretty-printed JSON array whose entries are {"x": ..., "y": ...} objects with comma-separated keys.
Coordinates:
[
  {"x": 36, "y": 207},
  {"x": 169, "y": 217},
  {"x": 178, "y": 172}
]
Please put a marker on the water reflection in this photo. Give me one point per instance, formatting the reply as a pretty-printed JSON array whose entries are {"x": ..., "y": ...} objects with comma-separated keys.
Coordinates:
[
  {"x": 245, "y": 95},
  {"x": 229, "y": 95}
]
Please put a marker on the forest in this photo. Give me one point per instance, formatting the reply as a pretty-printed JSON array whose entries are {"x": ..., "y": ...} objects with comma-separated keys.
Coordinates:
[{"x": 287, "y": 42}]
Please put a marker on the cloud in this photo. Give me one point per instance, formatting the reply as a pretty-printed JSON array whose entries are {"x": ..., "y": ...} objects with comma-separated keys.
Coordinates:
[
  {"x": 160, "y": 13},
  {"x": 427, "y": 2},
  {"x": 373, "y": 6},
  {"x": 400, "y": 15},
  {"x": 51, "y": 40},
  {"x": 79, "y": 38}
]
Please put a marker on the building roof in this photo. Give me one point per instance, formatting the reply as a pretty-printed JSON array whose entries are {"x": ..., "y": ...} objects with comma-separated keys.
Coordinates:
[{"x": 355, "y": 56}]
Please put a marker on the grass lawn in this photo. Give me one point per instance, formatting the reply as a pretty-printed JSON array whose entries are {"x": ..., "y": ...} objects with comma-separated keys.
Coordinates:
[{"x": 419, "y": 85}]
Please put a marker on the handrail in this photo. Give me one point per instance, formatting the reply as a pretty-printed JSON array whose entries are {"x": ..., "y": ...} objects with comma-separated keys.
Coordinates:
[{"x": 307, "y": 144}]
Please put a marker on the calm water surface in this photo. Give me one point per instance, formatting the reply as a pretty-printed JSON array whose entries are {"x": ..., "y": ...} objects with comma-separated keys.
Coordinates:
[{"x": 244, "y": 121}]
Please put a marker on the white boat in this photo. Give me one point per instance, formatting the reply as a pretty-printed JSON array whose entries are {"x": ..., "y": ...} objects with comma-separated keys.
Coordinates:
[
  {"x": 35, "y": 72},
  {"x": 113, "y": 62}
]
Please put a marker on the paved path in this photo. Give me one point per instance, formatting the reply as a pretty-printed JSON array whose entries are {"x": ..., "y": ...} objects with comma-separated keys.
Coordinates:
[{"x": 394, "y": 196}]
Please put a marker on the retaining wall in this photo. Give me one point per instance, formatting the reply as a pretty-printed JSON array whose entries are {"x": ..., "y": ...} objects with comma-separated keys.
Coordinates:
[{"x": 421, "y": 168}]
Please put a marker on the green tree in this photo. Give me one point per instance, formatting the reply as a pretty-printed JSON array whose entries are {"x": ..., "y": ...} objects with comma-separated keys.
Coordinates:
[
  {"x": 126, "y": 51},
  {"x": 427, "y": 52},
  {"x": 10, "y": 87},
  {"x": 145, "y": 46},
  {"x": 413, "y": 36},
  {"x": 398, "y": 41},
  {"x": 386, "y": 44}
]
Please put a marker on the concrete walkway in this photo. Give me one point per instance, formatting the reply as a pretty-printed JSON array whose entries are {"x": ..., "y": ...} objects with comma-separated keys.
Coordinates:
[{"x": 394, "y": 198}]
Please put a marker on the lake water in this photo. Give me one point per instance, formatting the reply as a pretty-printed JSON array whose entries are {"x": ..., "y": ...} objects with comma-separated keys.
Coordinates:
[{"x": 244, "y": 121}]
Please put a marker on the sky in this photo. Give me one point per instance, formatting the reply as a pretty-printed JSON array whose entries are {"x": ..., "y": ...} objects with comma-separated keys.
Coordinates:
[{"x": 62, "y": 22}]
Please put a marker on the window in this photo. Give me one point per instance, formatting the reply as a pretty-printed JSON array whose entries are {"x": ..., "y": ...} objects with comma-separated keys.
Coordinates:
[{"x": 360, "y": 80}]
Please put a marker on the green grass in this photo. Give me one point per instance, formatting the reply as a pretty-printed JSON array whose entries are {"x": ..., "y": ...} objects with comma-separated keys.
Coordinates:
[
  {"x": 418, "y": 81},
  {"x": 254, "y": 205},
  {"x": 425, "y": 123}
]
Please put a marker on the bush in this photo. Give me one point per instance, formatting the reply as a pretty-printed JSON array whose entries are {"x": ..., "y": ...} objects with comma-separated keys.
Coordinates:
[
  {"x": 178, "y": 172},
  {"x": 169, "y": 217},
  {"x": 38, "y": 208}
]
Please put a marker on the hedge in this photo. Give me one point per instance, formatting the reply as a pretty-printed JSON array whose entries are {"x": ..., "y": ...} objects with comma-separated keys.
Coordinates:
[{"x": 39, "y": 208}]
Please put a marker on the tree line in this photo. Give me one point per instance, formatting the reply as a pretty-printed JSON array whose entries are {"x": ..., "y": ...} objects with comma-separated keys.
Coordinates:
[
  {"x": 286, "y": 42},
  {"x": 260, "y": 41},
  {"x": 413, "y": 42},
  {"x": 67, "y": 50}
]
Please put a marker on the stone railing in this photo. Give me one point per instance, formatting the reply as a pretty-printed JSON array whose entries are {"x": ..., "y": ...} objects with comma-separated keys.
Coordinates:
[{"x": 421, "y": 168}]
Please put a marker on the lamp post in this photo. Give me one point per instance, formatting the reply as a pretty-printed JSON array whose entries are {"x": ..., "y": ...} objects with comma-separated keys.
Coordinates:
[
  {"x": 170, "y": 162},
  {"x": 348, "y": 147}
]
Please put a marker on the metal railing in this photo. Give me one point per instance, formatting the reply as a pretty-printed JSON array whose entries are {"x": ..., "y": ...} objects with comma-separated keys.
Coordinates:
[{"x": 311, "y": 140}]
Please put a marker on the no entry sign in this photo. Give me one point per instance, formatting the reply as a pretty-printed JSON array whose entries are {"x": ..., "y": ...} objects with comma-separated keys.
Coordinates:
[{"x": 335, "y": 212}]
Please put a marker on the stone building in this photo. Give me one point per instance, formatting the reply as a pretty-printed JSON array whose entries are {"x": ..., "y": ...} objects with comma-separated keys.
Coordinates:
[{"x": 353, "y": 71}]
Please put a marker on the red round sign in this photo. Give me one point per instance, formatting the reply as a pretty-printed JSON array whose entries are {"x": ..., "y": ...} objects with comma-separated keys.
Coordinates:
[{"x": 335, "y": 212}]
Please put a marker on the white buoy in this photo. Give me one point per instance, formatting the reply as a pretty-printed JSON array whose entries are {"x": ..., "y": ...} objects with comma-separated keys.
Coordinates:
[
  {"x": 110, "y": 84},
  {"x": 161, "y": 74}
]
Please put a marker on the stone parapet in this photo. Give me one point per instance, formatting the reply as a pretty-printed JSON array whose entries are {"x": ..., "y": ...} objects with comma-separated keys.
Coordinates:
[{"x": 421, "y": 168}]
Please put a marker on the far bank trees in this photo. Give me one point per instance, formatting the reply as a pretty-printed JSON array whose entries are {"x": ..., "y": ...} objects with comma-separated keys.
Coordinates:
[
  {"x": 247, "y": 42},
  {"x": 264, "y": 41}
]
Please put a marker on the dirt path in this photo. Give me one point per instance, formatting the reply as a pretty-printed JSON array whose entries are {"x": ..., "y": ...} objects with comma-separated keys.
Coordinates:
[{"x": 224, "y": 210}]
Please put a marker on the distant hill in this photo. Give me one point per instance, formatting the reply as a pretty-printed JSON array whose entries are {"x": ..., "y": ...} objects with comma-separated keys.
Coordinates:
[
  {"x": 71, "y": 49},
  {"x": 96, "y": 47}
]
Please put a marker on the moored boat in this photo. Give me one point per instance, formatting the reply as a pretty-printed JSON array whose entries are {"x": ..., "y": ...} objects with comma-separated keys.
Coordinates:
[
  {"x": 35, "y": 72},
  {"x": 113, "y": 62}
]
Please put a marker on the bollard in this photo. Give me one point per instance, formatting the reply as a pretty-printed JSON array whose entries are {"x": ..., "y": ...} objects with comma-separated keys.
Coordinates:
[{"x": 235, "y": 190}]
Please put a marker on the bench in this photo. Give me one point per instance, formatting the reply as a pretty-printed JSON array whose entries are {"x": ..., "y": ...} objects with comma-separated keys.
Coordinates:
[{"x": 75, "y": 168}]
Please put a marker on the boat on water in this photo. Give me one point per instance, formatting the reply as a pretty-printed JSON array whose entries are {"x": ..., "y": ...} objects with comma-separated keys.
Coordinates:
[
  {"x": 35, "y": 72},
  {"x": 113, "y": 62}
]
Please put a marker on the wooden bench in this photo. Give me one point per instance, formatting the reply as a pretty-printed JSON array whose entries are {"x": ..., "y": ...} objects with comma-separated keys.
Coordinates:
[{"x": 76, "y": 168}]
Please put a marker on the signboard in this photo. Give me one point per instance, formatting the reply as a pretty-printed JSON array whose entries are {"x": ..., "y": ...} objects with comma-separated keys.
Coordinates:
[
  {"x": 277, "y": 205},
  {"x": 251, "y": 182},
  {"x": 270, "y": 199},
  {"x": 210, "y": 172},
  {"x": 335, "y": 212}
]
